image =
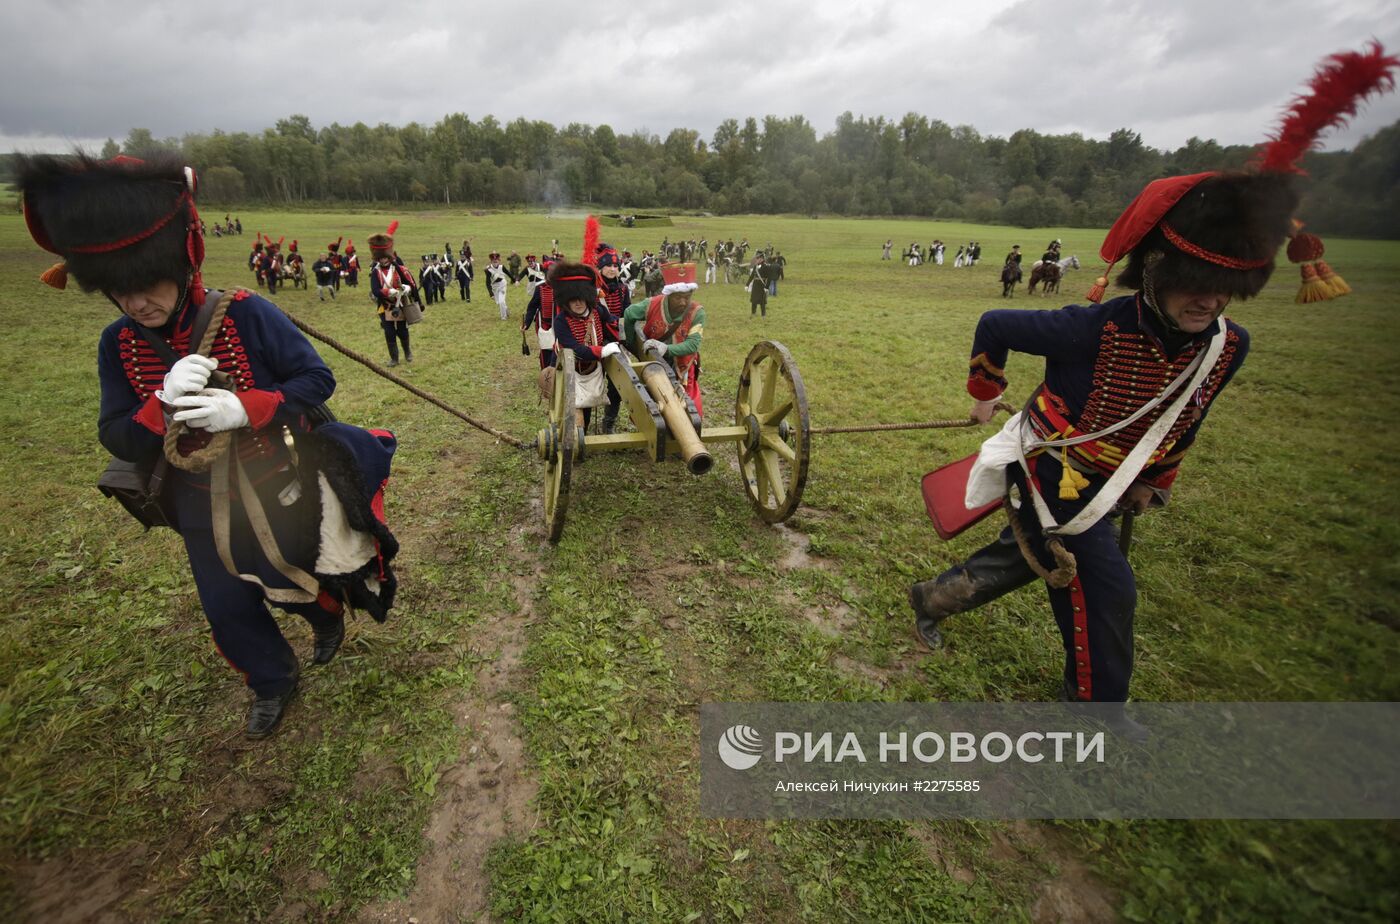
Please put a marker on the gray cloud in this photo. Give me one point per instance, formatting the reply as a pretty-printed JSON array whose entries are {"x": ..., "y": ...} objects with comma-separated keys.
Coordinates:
[{"x": 82, "y": 70}]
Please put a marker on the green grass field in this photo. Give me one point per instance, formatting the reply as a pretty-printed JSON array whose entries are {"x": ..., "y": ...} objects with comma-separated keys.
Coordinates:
[{"x": 519, "y": 741}]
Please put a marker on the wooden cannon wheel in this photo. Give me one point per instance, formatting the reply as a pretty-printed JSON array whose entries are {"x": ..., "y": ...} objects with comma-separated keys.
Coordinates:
[
  {"x": 558, "y": 445},
  {"x": 773, "y": 456}
]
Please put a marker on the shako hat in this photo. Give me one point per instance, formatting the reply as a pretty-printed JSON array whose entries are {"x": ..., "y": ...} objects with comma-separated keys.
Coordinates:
[
  {"x": 382, "y": 245},
  {"x": 678, "y": 277}
]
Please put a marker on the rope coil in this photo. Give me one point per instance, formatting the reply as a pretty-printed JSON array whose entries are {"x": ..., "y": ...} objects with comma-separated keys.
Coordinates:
[{"x": 202, "y": 459}]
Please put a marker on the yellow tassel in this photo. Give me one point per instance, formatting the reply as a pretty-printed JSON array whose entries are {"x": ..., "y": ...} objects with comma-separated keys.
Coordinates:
[
  {"x": 1329, "y": 278},
  {"x": 1313, "y": 288},
  {"x": 1098, "y": 289},
  {"x": 1071, "y": 482},
  {"x": 56, "y": 275}
]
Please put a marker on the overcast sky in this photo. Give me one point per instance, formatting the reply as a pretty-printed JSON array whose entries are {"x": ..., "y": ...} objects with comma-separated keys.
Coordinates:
[{"x": 79, "y": 71}]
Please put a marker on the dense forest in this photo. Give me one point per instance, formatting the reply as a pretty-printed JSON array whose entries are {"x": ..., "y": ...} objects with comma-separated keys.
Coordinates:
[{"x": 913, "y": 166}]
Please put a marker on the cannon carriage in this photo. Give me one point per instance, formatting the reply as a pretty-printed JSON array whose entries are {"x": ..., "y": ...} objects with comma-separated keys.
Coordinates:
[{"x": 771, "y": 429}]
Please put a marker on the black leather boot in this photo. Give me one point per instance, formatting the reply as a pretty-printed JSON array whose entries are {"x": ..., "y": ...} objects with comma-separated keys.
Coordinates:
[
  {"x": 327, "y": 641},
  {"x": 609, "y": 423},
  {"x": 266, "y": 713}
]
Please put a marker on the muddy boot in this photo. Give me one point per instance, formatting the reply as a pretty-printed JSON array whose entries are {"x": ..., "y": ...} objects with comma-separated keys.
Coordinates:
[
  {"x": 992, "y": 571},
  {"x": 1112, "y": 716},
  {"x": 609, "y": 422}
]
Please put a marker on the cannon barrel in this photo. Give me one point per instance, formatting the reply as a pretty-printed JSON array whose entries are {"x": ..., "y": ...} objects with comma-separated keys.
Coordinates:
[{"x": 673, "y": 410}]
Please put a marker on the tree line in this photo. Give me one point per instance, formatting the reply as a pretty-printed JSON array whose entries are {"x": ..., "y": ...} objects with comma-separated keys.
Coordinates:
[{"x": 914, "y": 166}]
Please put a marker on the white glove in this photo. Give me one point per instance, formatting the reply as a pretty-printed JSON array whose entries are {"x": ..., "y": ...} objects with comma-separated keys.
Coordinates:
[
  {"x": 655, "y": 348},
  {"x": 393, "y": 290},
  {"x": 186, "y": 377},
  {"x": 214, "y": 409},
  {"x": 982, "y": 411},
  {"x": 611, "y": 349}
]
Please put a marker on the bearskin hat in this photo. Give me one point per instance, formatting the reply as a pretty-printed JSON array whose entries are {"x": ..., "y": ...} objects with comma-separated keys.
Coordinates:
[
  {"x": 1218, "y": 232},
  {"x": 573, "y": 280},
  {"x": 120, "y": 225},
  {"x": 1220, "y": 237}
]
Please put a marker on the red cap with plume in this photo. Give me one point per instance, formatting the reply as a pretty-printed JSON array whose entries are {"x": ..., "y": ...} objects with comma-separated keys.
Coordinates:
[{"x": 1341, "y": 83}]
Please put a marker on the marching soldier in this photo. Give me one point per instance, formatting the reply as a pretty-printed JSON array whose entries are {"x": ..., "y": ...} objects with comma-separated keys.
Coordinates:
[
  {"x": 534, "y": 275},
  {"x": 497, "y": 278},
  {"x": 539, "y": 313},
  {"x": 758, "y": 287},
  {"x": 337, "y": 260},
  {"x": 391, "y": 284},
  {"x": 465, "y": 272},
  {"x": 352, "y": 265}
]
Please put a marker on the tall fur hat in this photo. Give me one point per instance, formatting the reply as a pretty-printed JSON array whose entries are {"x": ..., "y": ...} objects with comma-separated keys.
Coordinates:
[
  {"x": 1220, "y": 236},
  {"x": 120, "y": 225},
  {"x": 1219, "y": 232},
  {"x": 573, "y": 280}
]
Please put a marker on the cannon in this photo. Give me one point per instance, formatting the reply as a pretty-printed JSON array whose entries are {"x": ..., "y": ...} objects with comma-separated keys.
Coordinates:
[{"x": 771, "y": 429}]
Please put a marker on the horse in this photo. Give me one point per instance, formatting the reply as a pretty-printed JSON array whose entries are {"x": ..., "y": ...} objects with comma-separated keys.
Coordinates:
[
  {"x": 1010, "y": 275},
  {"x": 1051, "y": 273}
]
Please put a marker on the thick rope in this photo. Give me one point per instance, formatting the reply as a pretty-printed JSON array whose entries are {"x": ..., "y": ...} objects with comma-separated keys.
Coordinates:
[
  {"x": 408, "y": 386},
  {"x": 201, "y": 459},
  {"x": 928, "y": 425},
  {"x": 876, "y": 428},
  {"x": 1065, "y": 563}
]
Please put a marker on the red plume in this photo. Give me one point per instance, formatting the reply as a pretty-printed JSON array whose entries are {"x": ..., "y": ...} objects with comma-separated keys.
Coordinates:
[
  {"x": 590, "y": 240},
  {"x": 393, "y": 226},
  {"x": 1341, "y": 83}
]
